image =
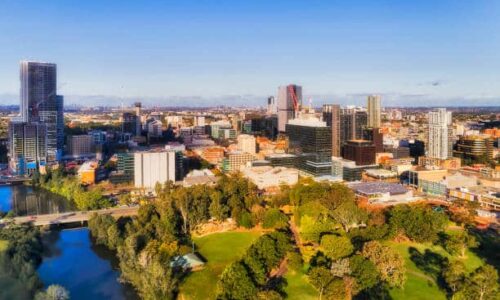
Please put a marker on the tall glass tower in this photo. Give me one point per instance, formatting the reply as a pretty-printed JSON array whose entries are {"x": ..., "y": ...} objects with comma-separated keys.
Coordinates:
[{"x": 40, "y": 103}]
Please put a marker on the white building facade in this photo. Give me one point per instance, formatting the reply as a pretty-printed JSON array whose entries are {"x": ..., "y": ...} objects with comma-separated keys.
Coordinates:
[{"x": 151, "y": 168}]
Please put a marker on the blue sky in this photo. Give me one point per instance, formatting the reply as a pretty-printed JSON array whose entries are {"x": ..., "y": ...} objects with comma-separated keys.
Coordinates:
[{"x": 427, "y": 52}]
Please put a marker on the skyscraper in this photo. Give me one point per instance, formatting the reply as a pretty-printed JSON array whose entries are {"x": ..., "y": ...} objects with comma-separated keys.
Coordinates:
[
  {"x": 40, "y": 103},
  {"x": 440, "y": 134},
  {"x": 331, "y": 115},
  {"x": 353, "y": 122},
  {"x": 374, "y": 111},
  {"x": 289, "y": 101}
]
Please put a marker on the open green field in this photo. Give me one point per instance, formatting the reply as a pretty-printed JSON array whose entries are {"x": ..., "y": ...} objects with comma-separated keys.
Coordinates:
[
  {"x": 298, "y": 287},
  {"x": 219, "y": 249},
  {"x": 422, "y": 284}
]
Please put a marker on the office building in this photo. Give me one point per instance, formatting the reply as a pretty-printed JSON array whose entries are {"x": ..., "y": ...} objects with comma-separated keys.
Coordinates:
[
  {"x": 227, "y": 134},
  {"x": 311, "y": 141},
  {"x": 80, "y": 146},
  {"x": 129, "y": 123},
  {"x": 331, "y": 115},
  {"x": 272, "y": 109},
  {"x": 236, "y": 160},
  {"x": 374, "y": 111},
  {"x": 360, "y": 151},
  {"x": 417, "y": 148},
  {"x": 27, "y": 146},
  {"x": 440, "y": 134},
  {"x": 246, "y": 143},
  {"x": 353, "y": 122},
  {"x": 282, "y": 160},
  {"x": 474, "y": 148},
  {"x": 153, "y": 167},
  {"x": 40, "y": 103},
  {"x": 154, "y": 128},
  {"x": 138, "y": 107},
  {"x": 376, "y": 137},
  {"x": 289, "y": 101}
]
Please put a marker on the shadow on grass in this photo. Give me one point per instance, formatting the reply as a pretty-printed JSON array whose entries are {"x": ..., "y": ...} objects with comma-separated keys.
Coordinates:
[
  {"x": 489, "y": 246},
  {"x": 431, "y": 263}
]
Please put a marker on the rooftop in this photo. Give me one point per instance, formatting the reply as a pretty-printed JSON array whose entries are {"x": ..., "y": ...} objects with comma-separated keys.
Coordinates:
[{"x": 370, "y": 188}]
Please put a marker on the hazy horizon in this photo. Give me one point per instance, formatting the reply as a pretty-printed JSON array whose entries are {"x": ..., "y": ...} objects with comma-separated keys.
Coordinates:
[{"x": 239, "y": 52}]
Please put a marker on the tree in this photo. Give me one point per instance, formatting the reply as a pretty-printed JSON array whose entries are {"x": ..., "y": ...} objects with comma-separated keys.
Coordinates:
[
  {"x": 235, "y": 283},
  {"x": 457, "y": 243},
  {"x": 320, "y": 278},
  {"x": 340, "y": 268},
  {"x": 348, "y": 214},
  {"x": 364, "y": 272},
  {"x": 53, "y": 292},
  {"x": 336, "y": 247},
  {"x": 388, "y": 262},
  {"x": 454, "y": 276},
  {"x": 482, "y": 284},
  {"x": 274, "y": 218},
  {"x": 419, "y": 223}
]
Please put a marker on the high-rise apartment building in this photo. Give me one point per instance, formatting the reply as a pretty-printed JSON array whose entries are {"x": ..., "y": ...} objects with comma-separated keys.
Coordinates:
[
  {"x": 374, "y": 110},
  {"x": 40, "y": 103},
  {"x": 440, "y": 134},
  {"x": 289, "y": 101},
  {"x": 331, "y": 115},
  {"x": 27, "y": 146}
]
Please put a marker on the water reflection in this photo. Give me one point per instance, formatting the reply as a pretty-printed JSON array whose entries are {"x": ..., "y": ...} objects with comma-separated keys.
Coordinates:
[
  {"x": 25, "y": 200},
  {"x": 86, "y": 270}
]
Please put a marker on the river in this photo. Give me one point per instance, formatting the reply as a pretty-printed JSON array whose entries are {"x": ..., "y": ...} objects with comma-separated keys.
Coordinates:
[{"x": 71, "y": 259}]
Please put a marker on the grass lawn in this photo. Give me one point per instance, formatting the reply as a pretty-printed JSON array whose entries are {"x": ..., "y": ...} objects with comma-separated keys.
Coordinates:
[
  {"x": 219, "y": 249},
  {"x": 298, "y": 287},
  {"x": 422, "y": 285}
]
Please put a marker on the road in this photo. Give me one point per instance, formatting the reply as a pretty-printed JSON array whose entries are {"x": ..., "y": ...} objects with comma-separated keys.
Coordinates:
[{"x": 75, "y": 217}]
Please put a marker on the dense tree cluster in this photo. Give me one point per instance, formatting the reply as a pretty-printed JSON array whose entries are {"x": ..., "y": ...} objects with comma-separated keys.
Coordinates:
[
  {"x": 232, "y": 197},
  {"x": 69, "y": 187},
  {"x": 249, "y": 277},
  {"x": 19, "y": 261},
  {"x": 419, "y": 223}
]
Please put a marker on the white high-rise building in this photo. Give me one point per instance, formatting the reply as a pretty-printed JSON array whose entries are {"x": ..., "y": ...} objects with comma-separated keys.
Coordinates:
[
  {"x": 440, "y": 134},
  {"x": 246, "y": 143},
  {"x": 374, "y": 111},
  {"x": 153, "y": 167}
]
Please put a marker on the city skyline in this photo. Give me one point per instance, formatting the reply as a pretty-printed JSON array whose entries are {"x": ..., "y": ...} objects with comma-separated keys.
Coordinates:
[{"x": 240, "y": 52}]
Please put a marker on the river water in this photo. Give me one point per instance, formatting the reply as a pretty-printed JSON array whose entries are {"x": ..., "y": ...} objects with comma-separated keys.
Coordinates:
[{"x": 71, "y": 259}]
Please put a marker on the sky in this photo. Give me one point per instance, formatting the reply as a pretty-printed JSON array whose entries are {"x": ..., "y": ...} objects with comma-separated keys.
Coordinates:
[{"x": 233, "y": 52}]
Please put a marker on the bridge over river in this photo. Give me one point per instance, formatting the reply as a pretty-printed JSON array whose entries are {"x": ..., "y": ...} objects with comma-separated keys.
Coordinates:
[{"x": 75, "y": 217}]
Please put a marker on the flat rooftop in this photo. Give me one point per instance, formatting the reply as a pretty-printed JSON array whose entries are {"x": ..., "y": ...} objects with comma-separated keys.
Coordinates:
[{"x": 370, "y": 188}]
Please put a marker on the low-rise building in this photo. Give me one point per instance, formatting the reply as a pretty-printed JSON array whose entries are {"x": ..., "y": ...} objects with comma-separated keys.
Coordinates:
[
  {"x": 381, "y": 192},
  {"x": 87, "y": 172},
  {"x": 265, "y": 177}
]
